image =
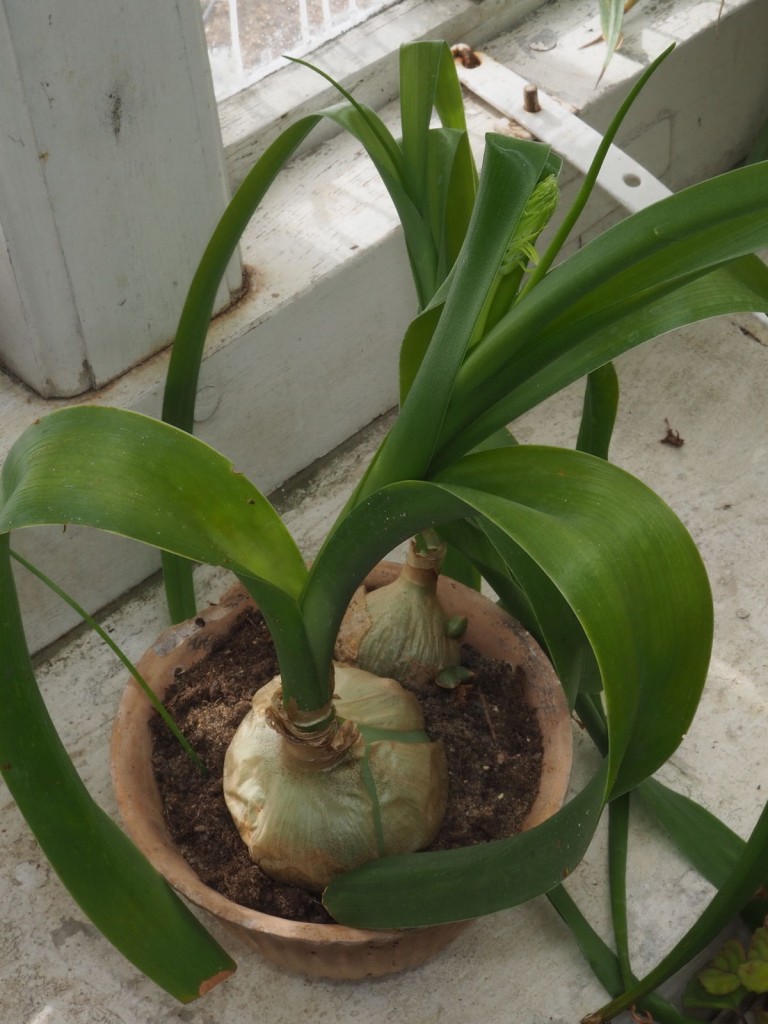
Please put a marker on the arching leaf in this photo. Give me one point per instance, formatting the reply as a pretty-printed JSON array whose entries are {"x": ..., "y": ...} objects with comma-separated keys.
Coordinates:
[{"x": 115, "y": 886}]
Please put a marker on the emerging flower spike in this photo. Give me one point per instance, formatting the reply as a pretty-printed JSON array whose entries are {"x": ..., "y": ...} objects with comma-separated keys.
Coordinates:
[{"x": 535, "y": 217}]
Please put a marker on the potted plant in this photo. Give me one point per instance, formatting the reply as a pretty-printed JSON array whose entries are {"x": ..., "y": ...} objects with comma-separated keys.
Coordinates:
[
  {"x": 518, "y": 774},
  {"x": 589, "y": 559}
]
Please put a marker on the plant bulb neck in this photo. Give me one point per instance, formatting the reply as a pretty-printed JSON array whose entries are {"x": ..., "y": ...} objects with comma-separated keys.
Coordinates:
[
  {"x": 423, "y": 560},
  {"x": 317, "y": 739}
]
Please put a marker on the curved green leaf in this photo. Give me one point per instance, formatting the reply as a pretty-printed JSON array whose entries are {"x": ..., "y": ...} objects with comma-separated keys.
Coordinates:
[
  {"x": 419, "y": 889},
  {"x": 529, "y": 594},
  {"x": 586, "y": 188},
  {"x": 598, "y": 415},
  {"x": 600, "y": 535},
  {"x": 748, "y": 874},
  {"x": 116, "y": 887},
  {"x": 671, "y": 264},
  {"x": 449, "y": 199},
  {"x": 565, "y": 352},
  {"x": 422, "y": 65},
  {"x": 431, "y": 256},
  {"x": 416, "y": 341},
  {"x": 186, "y": 354},
  {"x": 604, "y": 961},
  {"x": 511, "y": 169},
  {"x": 439, "y": 166},
  {"x": 705, "y": 841},
  {"x": 133, "y": 475},
  {"x": 119, "y": 654},
  {"x": 596, "y": 534}
]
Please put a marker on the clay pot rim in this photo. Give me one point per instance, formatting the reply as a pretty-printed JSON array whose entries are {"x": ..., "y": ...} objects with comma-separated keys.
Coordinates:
[{"x": 131, "y": 770}]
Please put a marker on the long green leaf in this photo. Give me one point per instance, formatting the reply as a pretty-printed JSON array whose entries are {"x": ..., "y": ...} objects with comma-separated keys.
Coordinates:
[
  {"x": 590, "y": 178},
  {"x": 511, "y": 169},
  {"x": 603, "y": 960},
  {"x": 673, "y": 255},
  {"x": 452, "y": 885},
  {"x": 134, "y": 475},
  {"x": 750, "y": 871},
  {"x": 439, "y": 165},
  {"x": 449, "y": 198},
  {"x": 706, "y": 842},
  {"x": 119, "y": 654},
  {"x": 128, "y": 473},
  {"x": 565, "y": 354},
  {"x": 599, "y": 956},
  {"x": 459, "y": 203},
  {"x": 618, "y": 848},
  {"x": 120, "y": 892},
  {"x": 414, "y": 346},
  {"x": 429, "y": 265},
  {"x": 531, "y": 596},
  {"x": 598, "y": 415},
  {"x": 580, "y": 342},
  {"x": 599, "y": 534},
  {"x": 186, "y": 355},
  {"x": 420, "y": 66},
  {"x": 596, "y": 533},
  {"x": 398, "y": 178}
]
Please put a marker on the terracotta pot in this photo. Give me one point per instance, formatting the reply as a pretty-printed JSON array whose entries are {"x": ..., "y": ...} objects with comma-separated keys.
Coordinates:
[{"x": 317, "y": 950}]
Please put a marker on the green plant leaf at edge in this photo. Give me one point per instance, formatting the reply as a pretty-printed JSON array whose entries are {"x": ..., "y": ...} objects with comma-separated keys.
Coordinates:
[
  {"x": 130, "y": 474},
  {"x": 603, "y": 960},
  {"x": 748, "y": 874},
  {"x": 599, "y": 535},
  {"x": 674, "y": 263},
  {"x": 125, "y": 897}
]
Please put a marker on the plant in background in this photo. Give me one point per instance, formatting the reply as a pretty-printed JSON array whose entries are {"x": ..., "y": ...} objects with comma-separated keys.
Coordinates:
[
  {"x": 736, "y": 979},
  {"x": 593, "y": 563}
]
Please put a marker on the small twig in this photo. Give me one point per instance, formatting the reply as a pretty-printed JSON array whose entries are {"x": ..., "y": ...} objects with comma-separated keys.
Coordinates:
[
  {"x": 487, "y": 714},
  {"x": 672, "y": 437}
]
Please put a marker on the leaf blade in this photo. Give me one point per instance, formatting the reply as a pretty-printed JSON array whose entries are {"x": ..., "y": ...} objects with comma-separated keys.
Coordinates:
[
  {"x": 127, "y": 473},
  {"x": 686, "y": 255},
  {"x": 111, "y": 881},
  {"x": 598, "y": 534}
]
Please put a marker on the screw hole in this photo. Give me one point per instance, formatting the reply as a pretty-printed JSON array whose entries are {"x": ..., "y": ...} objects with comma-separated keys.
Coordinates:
[{"x": 632, "y": 180}]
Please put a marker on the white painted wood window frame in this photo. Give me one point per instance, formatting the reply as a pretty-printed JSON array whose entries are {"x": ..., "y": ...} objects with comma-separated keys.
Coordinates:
[
  {"x": 364, "y": 60},
  {"x": 111, "y": 179}
]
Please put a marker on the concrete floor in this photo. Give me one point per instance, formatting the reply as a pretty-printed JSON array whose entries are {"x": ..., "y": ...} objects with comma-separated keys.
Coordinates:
[{"x": 711, "y": 383}]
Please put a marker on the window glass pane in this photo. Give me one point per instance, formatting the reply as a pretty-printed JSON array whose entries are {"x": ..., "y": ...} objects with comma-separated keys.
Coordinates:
[{"x": 247, "y": 38}]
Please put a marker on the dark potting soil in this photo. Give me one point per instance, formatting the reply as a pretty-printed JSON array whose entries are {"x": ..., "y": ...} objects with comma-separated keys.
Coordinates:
[{"x": 491, "y": 738}]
